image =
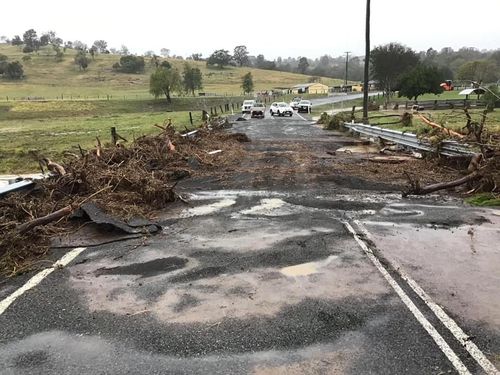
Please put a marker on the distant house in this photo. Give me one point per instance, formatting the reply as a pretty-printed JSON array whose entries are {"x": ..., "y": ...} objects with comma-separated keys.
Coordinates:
[
  {"x": 282, "y": 90},
  {"x": 310, "y": 88}
]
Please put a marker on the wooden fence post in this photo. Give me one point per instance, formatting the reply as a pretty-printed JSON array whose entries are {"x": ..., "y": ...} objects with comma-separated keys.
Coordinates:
[
  {"x": 191, "y": 118},
  {"x": 114, "y": 138}
]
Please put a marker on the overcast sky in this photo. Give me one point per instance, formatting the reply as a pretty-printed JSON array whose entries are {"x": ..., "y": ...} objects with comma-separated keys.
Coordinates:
[{"x": 273, "y": 28}]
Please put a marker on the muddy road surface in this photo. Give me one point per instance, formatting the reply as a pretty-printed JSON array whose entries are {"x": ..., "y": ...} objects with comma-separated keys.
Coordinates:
[{"x": 287, "y": 264}]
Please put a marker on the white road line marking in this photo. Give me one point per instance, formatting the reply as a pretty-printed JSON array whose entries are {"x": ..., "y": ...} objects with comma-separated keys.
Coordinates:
[
  {"x": 448, "y": 322},
  {"x": 297, "y": 113},
  {"x": 438, "y": 339},
  {"x": 35, "y": 280}
]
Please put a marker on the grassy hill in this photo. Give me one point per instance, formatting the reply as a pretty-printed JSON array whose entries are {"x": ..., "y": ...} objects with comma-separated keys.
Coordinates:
[
  {"x": 51, "y": 126},
  {"x": 49, "y": 79}
]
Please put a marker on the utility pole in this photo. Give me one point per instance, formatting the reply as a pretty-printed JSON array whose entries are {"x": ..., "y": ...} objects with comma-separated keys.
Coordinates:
[
  {"x": 367, "y": 64},
  {"x": 346, "y": 66}
]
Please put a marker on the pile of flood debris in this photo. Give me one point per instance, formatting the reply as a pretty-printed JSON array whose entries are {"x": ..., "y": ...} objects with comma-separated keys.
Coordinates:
[{"x": 116, "y": 184}]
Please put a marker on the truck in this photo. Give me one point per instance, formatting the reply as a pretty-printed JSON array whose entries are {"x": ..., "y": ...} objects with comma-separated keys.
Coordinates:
[
  {"x": 258, "y": 110},
  {"x": 247, "y": 106}
]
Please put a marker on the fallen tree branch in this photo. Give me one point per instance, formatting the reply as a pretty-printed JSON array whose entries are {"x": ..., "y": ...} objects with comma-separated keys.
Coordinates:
[
  {"x": 56, "y": 215},
  {"x": 416, "y": 189},
  {"x": 442, "y": 128}
]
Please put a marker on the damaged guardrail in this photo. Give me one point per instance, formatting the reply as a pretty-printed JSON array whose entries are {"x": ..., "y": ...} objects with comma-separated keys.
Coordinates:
[{"x": 446, "y": 148}]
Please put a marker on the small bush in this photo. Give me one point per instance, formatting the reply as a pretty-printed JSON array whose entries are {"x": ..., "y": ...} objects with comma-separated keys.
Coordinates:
[
  {"x": 336, "y": 121},
  {"x": 407, "y": 119},
  {"x": 491, "y": 97},
  {"x": 130, "y": 64},
  {"x": 14, "y": 70},
  {"x": 324, "y": 118}
]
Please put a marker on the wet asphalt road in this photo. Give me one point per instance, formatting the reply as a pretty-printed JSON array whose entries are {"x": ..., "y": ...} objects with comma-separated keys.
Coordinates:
[{"x": 271, "y": 281}]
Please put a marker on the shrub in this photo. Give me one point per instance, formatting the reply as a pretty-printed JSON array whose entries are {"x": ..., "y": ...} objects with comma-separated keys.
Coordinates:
[
  {"x": 14, "y": 70},
  {"x": 130, "y": 64},
  {"x": 491, "y": 97},
  {"x": 336, "y": 121}
]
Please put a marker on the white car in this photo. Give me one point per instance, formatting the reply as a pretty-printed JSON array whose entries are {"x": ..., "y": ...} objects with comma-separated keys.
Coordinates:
[
  {"x": 304, "y": 106},
  {"x": 280, "y": 109},
  {"x": 247, "y": 106},
  {"x": 295, "y": 102}
]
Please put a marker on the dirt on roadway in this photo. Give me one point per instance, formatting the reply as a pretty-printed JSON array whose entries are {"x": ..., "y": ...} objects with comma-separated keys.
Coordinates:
[{"x": 300, "y": 259}]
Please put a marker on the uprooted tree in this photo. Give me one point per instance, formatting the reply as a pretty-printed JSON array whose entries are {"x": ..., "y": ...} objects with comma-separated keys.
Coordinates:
[{"x": 483, "y": 169}]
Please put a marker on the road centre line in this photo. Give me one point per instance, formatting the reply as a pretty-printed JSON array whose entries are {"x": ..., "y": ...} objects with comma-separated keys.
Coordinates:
[
  {"x": 438, "y": 339},
  {"x": 448, "y": 322},
  {"x": 38, "y": 278}
]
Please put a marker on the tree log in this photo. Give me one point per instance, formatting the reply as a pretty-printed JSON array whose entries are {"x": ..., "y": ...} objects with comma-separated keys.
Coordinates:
[
  {"x": 437, "y": 126},
  {"x": 416, "y": 189},
  {"x": 56, "y": 215}
]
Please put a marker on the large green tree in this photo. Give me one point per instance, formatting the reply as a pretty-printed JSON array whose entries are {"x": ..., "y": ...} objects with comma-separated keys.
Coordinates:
[
  {"x": 16, "y": 41},
  {"x": 163, "y": 82},
  {"x": 30, "y": 40},
  {"x": 192, "y": 79},
  {"x": 389, "y": 62},
  {"x": 479, "y": 71},
  {"x": 422, "y": 79},
  {"x": 100, "y": 46},
  {"x": 247, "y": 83},
  {"x": 219, "y": 58},
  {"x": 240, "y": 55},
  {"x": 303, "y": 65}
]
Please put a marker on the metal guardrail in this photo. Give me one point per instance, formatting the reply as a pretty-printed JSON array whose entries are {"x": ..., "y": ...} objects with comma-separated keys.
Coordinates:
[
  {"x": 446, "y": 148},
  {"x": 10, "y": 188}
]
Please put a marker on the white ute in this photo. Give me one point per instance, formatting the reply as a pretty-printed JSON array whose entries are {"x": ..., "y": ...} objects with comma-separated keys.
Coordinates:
[{"x": 247, "y": 106}]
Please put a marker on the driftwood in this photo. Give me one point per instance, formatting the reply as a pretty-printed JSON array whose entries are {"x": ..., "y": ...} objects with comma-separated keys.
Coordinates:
[
  {"x": 53, "y": 167},
  {"x": 56, "y": 215},
  {"x": 98, "y": 147},
  {"x": 437, "y": 126},
  {"x": 416, "y": 189}
]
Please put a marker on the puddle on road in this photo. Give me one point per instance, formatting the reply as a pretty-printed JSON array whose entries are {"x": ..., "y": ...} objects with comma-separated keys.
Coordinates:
[
  {"x": 266, "y": 205},
  {"x": 400, "y": 211},
  {"x": 208, "y": 208},
  {"x": 250, "y": 240},
  {"x": 360, "y": 149},
  {"x": 306, "y": 269}
]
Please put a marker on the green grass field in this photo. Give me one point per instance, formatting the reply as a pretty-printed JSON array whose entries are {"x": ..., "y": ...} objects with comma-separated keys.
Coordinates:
[
  {"x": 68, "y": 106},
  {"x": 23, "y": 140},
  {"x": 49, "y": 79},
  {"x": 452, "y": 119}
]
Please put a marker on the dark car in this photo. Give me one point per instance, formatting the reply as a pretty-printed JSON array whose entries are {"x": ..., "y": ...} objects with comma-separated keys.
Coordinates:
[{"x": 304, "y": 106}]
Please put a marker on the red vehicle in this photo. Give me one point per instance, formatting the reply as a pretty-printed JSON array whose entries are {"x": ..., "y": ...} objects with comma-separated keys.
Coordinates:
[{"x": 447, "y": 85}]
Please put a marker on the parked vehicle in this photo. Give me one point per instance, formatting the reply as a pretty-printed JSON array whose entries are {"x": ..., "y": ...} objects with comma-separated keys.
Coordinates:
[
  {"x": 447, "y": 85},
  {"x": 295, "y": 102},
  {"x": 247, "y": 106},
  {"x": 280, "y": 109},
  {"x": 258, "y": 110},
  {"x": 304, "y": 106}
]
